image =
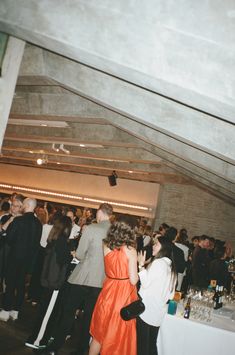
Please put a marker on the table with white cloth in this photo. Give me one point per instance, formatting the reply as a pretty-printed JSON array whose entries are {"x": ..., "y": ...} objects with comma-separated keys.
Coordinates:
[{"x": 179, "y": 336}]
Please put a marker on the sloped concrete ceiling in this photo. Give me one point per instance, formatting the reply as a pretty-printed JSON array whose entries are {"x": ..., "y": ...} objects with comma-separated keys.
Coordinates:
[{"x": 149, "y": 85}]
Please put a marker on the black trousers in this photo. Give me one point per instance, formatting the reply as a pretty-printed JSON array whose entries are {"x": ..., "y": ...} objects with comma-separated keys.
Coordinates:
[
  {"x": 35, "y": 289},
  {"x": 77, "y": 297},
  {"x": 146, "y": 338},
  {"x": 4, "y": 252},
  {"x": 15, "y": 285},
  {"x": 42, "y": 309}
]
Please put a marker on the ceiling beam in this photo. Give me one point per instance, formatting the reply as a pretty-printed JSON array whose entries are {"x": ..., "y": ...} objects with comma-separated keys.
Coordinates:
[{"x": 122, "y": 154}]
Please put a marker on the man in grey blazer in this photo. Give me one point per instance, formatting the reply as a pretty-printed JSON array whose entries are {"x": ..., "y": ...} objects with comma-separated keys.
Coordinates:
[{"x": 85, "y": 282}]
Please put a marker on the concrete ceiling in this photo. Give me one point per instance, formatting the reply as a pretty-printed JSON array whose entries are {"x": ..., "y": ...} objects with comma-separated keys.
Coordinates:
[{"x": 145, "y": 93}]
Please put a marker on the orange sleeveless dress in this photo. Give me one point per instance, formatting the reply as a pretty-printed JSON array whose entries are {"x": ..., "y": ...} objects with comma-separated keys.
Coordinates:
[{"x": 116, "y": 336}]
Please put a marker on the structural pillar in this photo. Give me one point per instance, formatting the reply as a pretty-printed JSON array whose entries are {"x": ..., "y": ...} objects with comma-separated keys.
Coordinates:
[
  {"x": 157, "y": 221},
  {"x": 10, "y": 65}
]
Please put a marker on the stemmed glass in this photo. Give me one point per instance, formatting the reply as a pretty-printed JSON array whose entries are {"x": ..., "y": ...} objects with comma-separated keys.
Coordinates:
[{"x": 201, "y": 304}]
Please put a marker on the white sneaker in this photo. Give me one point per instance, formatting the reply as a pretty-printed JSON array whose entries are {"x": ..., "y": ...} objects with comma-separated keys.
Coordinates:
[
  {"x": 4, "y": 315},
  {"x": 14, "y": 315}
]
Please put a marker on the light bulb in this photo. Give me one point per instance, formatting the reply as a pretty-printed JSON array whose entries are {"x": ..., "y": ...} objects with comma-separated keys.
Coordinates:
[{"x": 40, "y": 161}]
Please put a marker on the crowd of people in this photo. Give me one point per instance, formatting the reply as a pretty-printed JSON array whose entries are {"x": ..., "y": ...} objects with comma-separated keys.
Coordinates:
[{"x": 79, "y": 263}]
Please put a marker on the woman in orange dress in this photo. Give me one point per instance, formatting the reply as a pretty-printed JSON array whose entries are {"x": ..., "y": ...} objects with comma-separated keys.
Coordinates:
[{"x": 111, "y": 334}]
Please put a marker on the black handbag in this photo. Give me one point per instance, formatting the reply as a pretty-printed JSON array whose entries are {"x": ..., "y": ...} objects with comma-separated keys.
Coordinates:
[{"x": 133, "y": 310}]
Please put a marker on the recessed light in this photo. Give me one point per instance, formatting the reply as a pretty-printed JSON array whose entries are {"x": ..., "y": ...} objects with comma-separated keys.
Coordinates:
[
  {"x": 43, "y": 125},
  {"x": 81, "y": 145},
  {"x": 130, "y": 171},
  {"x": 58, "y": 163},
  {"x": 30, "y": 151}
]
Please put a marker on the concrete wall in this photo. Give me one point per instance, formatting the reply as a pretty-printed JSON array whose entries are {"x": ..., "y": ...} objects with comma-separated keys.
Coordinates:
[
  {"x": 199, "y": 212},
  {"x": 126, "y": 191}
]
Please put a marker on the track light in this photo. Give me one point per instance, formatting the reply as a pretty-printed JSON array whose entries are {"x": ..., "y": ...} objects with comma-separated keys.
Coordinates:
[
  {"x": 43, "y": 160},
  {"x": 39, "y": 161},
  {"x": 54, "y": 148},
  {"x": 60, "y": 147},
  {"x": 113, "y": 178},
  {"x": 64, "y": 149}
]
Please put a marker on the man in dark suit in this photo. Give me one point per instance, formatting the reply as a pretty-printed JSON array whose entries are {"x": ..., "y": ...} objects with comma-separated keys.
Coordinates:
[
  {"x": 200, "y": 263},
  {"x": 6, "y": 220},
  {"x": 178, "y": 254},
  {"x": 23, "y": 237}
]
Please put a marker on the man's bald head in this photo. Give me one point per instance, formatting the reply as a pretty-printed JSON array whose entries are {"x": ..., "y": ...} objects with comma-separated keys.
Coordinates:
[{"x": 29, "y": 204}]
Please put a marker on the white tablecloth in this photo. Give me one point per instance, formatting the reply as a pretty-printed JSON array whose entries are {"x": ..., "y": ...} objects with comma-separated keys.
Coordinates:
[{"x": 179, "y": 336}]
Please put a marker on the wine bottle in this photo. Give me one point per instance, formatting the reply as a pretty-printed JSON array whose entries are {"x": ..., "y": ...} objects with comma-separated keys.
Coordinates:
[
  {"x": 187, "y": 308},
  {"x": 221, "y": 296},
  {"x": 218, "y": 300}
]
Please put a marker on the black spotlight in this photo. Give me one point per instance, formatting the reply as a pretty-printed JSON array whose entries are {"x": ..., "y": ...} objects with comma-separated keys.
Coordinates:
[{"x": 113, "y": 179}]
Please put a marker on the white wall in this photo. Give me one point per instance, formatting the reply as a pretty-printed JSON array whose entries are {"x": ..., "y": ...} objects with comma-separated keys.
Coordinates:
[{"x": 126, "y": 191}]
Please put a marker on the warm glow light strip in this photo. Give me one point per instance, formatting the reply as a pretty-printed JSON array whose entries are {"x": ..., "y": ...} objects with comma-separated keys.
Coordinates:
[
  {"x": 43, "y": 192},
  {"x": 74, "y": 197},
  {"x": 117, "y": 204}
]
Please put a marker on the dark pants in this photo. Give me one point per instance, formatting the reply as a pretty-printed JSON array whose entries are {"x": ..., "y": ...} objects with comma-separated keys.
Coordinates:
[
  {"x": 53, "y": 319},
  {"x": 43, "y": 306},
  {"x": 15, "y": 284},
  {"x": 77, "y": 297},
  {"x": 146, "y": 338},
  {"x": 35, "y": 289},
  {"x": 4, "y": 251}
]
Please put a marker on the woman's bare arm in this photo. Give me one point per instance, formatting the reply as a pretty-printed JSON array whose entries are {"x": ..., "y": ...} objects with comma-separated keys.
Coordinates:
[{"x": 132, "y": 264}]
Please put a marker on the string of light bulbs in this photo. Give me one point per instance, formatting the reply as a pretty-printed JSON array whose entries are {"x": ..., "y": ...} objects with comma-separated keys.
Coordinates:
[{"x": 70, "y": 196}]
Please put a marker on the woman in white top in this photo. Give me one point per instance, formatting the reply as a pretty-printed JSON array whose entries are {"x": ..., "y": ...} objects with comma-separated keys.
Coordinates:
[{"x": 157, "y": 287}]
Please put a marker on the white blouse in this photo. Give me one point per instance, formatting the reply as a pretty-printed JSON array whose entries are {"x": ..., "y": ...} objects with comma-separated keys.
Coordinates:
[
  {"x": 46, "y": 228},
  {"x": 74, "y": 231},
  {"x": 157, "y": 287}
]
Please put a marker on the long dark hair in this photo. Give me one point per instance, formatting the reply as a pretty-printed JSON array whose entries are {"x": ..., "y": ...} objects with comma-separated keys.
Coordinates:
[
  {"x": 61, "y": 228},
  {"x": 166, "y": 251},
  {"x": 182, "y": 237}
]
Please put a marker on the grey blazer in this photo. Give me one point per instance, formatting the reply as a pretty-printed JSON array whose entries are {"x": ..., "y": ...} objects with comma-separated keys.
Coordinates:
[{"x": 90, "y": 270}]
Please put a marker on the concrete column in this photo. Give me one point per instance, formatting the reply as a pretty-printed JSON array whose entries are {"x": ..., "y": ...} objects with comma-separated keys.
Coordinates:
[
  {"x": 157, "y": 221},
  {"x": 10, "y": 68}
]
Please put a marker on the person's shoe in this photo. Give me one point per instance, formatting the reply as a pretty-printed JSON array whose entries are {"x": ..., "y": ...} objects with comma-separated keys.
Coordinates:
[
  {"x": 4, "y": 315},
  {"x": 30, "y": 344},
  {"x": 14, "y": 315}
]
